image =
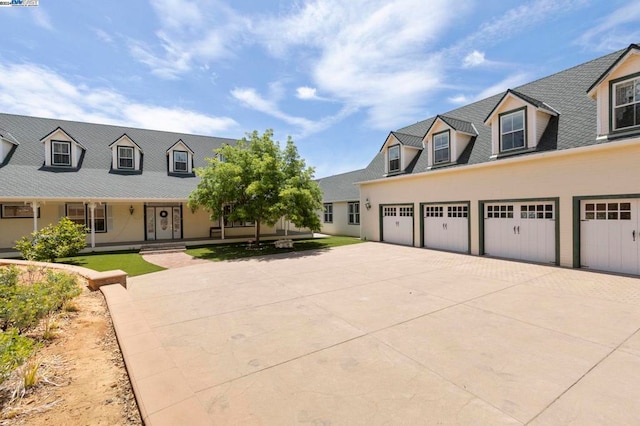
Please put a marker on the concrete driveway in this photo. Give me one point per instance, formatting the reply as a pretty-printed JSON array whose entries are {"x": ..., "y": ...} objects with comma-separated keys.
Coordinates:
[{"x": 381, "y": 334}]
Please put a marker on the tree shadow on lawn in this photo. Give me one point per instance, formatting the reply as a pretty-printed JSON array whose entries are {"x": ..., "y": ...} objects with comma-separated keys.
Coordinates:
[{"x": 264, "y": 253}]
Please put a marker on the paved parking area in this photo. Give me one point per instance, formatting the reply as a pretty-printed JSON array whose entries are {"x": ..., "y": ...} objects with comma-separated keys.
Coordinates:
[{"x": 381, "y": 334}]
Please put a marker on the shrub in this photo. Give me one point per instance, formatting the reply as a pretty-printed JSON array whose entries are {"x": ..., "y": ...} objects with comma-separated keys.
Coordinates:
[
  {"x": 14, "y": 349},
  {"x": 64, "y": 239}
]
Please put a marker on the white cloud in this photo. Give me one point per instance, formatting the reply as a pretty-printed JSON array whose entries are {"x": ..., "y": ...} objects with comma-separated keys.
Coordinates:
[
  {"x": 473, "y": 59},
  {"x": 191, "y": 34},
  {"x": 616, "y": 30},
  {"x": 306, "y": 93},
  {"x": 459, "y": 99},
  {"x": 250, "y": 98},
  {"x": 509, "y": 82},
  {"x": 37, "y": 91},
  {"x": 41, "y": 18},
  {"x": 103, "y": 35},
  {"x": 369, "y": 54}
]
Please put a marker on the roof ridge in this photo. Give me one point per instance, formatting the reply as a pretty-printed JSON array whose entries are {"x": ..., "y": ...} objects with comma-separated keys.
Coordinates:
[{"x": 112, "y": 125}]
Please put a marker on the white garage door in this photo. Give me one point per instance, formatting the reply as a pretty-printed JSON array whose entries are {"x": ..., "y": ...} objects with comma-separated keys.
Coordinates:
[
  {"x": 446, "y": 227},
  {"x": 609, "y": 235},
  {"x": 397, "y": 224},
  {"x": 524, "y": 231}
]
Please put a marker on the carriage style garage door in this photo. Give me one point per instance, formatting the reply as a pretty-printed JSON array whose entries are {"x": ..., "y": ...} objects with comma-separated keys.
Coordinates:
[
  {"x": 609, "y": 235},
  {"x": 446, "y": 227},
  {"x": 397, "y": 224},
  {"x": 521, "y": 230}
]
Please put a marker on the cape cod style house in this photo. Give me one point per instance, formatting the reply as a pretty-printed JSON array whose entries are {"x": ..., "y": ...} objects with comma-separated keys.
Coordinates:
[
  {"x": 546, "y": 172},
  {"x": 128, "y": 186}
]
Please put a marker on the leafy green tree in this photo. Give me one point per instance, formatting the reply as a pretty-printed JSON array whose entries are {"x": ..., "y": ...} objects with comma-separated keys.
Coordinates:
[
  {"x": 63, "y": 239},
  {"x": 261, "y": 181}
]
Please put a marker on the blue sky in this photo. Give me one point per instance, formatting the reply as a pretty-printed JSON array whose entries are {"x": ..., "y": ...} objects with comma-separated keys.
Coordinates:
[{"x": 335, "y": 75}]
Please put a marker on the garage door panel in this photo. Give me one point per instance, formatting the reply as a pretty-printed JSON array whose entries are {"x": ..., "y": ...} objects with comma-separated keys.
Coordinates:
[
  {"x": 397, "y": 224},
  {"x": 609, "y": 238},
  {"x": 446, "y": 227},
  {"x": 524, "y": 231}
]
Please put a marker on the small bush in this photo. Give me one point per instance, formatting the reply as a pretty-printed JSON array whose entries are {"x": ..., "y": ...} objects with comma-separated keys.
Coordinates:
[
  {"x": 64, "y": 239},
  {"x": 14, "y": 349}
]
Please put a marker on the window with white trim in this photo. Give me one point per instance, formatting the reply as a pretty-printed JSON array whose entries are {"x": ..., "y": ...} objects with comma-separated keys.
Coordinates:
[
  {"x": 77, "y": 214},
  {"x": 60, "y": 153},
  {"x": 394, "y": 158},
  {"x": 328, "y": 213},
  {"x": 125, "y": 157},
  {"x": 626, "y": 104},
  {"x": 180, "y": 159},
  {"x": 441, "y": 147},
  {"x": 512, "y": 130},
  {"x": 354, "y": 213}
]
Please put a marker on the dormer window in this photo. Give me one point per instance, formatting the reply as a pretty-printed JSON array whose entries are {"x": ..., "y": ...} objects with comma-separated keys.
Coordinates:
[
  {"x": 512, "y": 130},
  {"x": 180, "y": 161},
  {"x": 441, "y": 147},
  {"x": 61, "y": 153},
  {"x": 394, "y": 158},
  {"x": 125, "y": 157},
  {"x": 626, "y": 104}
]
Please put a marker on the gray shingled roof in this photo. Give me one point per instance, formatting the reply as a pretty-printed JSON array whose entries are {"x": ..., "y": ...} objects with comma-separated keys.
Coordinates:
[
  {"x": 459, "y": 125},
  {"x": 409, "y": 140},
  {"x": 22, "y": 177},
  {"x": 341, "y": 187},
  {"x": 565, "y": 92}
]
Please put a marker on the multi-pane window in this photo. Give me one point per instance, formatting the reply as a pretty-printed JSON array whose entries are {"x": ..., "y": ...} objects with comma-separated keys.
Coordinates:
[
  {"x": 328, "y": 213},
  {"x": 457, "y": 211},
  {"x": 512, "y": 131},
  {"x": 17, "y": 211},
  {"x": 180, "y": 161},
  {"x": 406, "y": 211},
  {"x": 389, "y": 211},
  {"x": 394, "y": 158},
  {"x": 354, "y": 213},
  {"x": 433, "y": 211},
  {"x": 60, "y": 153},
  {"x": 607, "y": 211},
  {"x": 626, "y": 106},
  {"x": 536, "y": 211},
  {"x": 228, "y": 209},
  {"x": 441, "y": 147},
  {"x": 125, "y": 157},
  {"x": 78, "y": 213},
  {"x": 500, "y": 211}
]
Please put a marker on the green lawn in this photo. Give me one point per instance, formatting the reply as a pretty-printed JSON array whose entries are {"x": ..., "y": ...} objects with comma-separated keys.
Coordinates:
[
  {"x": 130, "y": 262},
  {"x": 220, "y": 252}
]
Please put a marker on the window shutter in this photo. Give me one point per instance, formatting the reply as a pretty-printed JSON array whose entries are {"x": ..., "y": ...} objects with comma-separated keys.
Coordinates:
[
  {"x": 61, "y": 212},
  {"x": 109, "y": 217}
]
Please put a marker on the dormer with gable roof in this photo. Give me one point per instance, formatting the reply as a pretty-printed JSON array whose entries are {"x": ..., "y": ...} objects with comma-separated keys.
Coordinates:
[
  {"x": 126, "y": 156},
  {"x": 617, "y": 95},
  {"x": 400, "y": 152},
  {"x": 517, "y": 123},
  {"x": 446, "y": 139},
  {"x": 61, "y": 151},
  {"x": 180, "y": 159},
  {"x": 8, "y": 144}
]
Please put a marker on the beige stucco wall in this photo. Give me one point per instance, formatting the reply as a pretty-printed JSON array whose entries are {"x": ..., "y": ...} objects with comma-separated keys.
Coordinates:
[
  {"x": 602, "y": 170},
  {"x": 340, "y": 225}
]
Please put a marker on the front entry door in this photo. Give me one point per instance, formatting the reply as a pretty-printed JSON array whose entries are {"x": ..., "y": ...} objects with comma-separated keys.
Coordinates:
[{"x": 164, "y": 223}]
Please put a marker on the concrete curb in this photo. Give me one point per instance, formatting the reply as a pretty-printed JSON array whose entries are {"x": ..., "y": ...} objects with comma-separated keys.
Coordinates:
[{"x": 163, "y": 394}]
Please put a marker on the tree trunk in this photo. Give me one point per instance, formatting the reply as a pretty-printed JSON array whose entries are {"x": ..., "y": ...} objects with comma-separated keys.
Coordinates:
[{"x": 257, "y": 232}]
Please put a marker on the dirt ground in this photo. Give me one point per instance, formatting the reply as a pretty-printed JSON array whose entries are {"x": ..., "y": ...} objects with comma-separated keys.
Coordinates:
[{"x": 85, "y": 381}]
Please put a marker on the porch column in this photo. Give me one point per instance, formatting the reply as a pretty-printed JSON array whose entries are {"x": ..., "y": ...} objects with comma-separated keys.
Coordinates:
[
  {"x": 92, "y": 211},
  {"x": 35, "y": 205},
  {"x": 222, "y": 226}
]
